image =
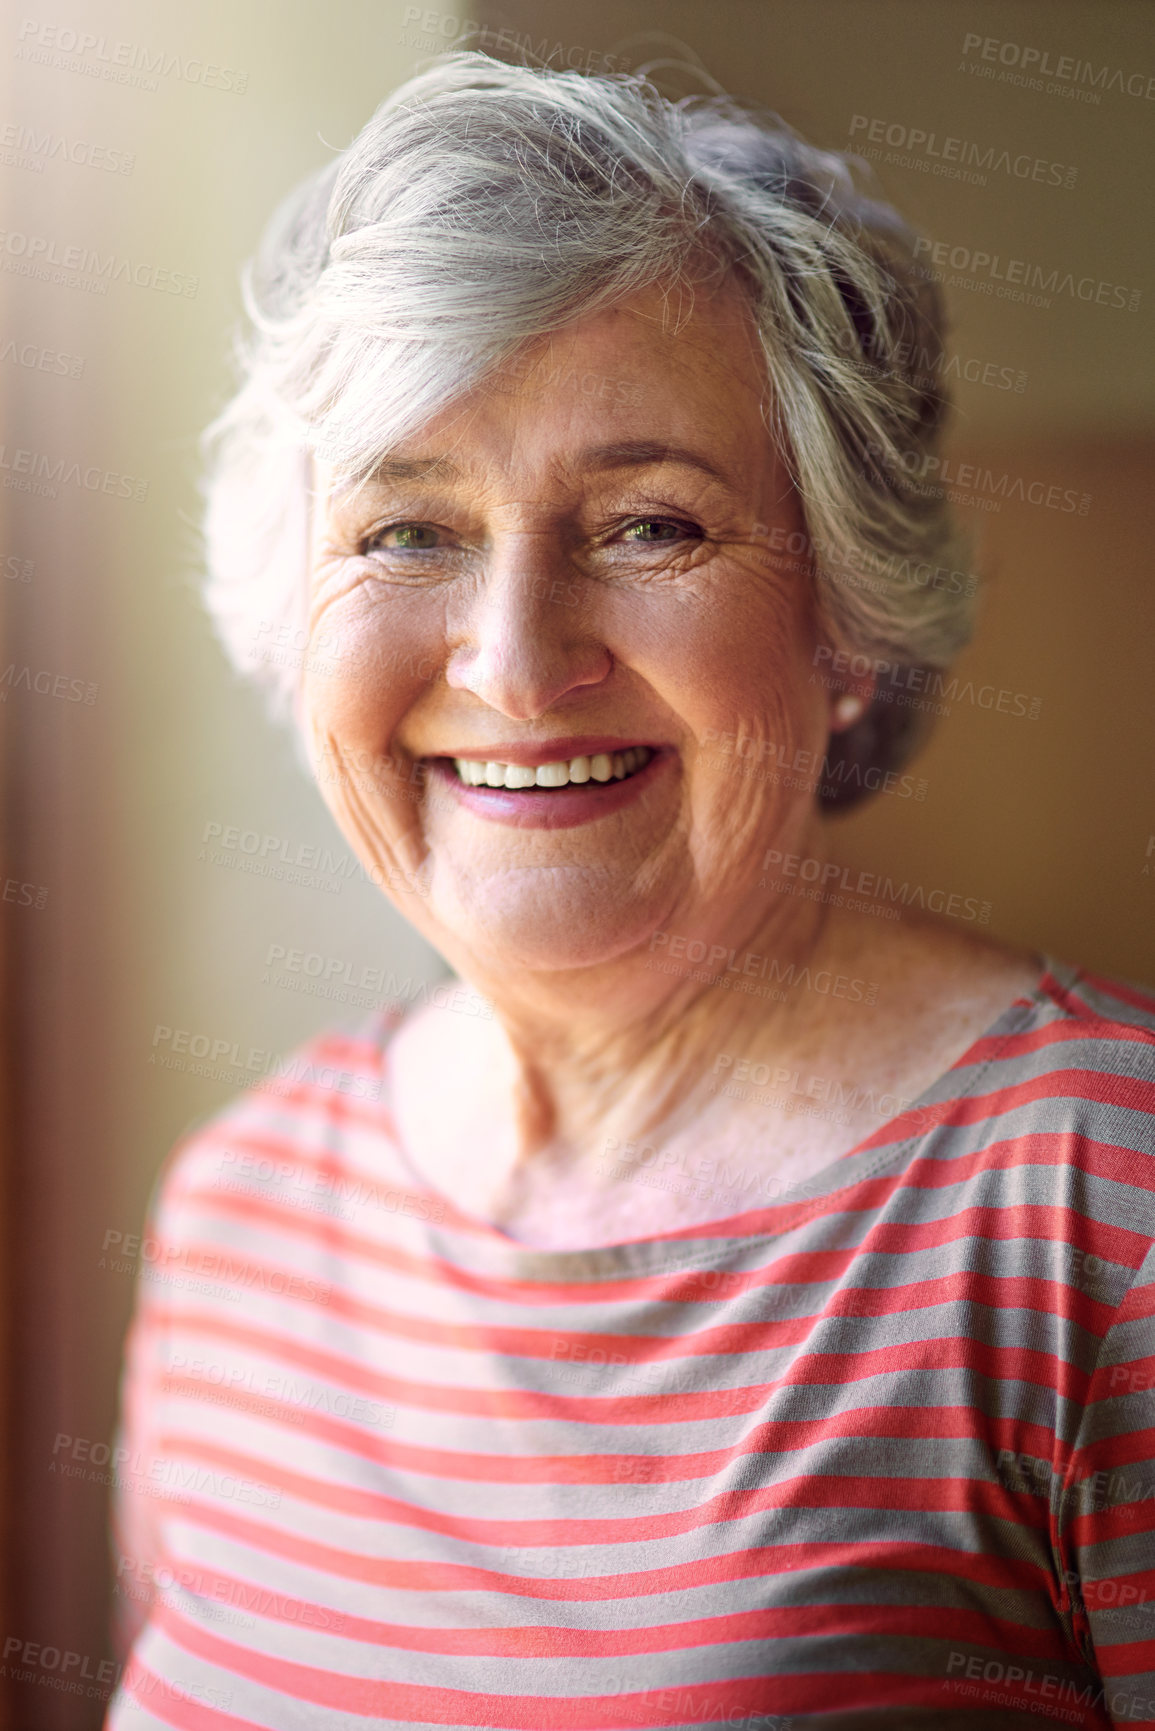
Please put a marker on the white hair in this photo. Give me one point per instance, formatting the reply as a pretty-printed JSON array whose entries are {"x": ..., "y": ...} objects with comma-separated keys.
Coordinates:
[{"x": 486, "y": 204}]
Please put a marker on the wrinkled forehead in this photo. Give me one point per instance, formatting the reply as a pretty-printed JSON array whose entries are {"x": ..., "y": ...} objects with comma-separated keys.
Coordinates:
[
  {"x": 668, "y": 370},
  {"x": 684, "y": 325}
]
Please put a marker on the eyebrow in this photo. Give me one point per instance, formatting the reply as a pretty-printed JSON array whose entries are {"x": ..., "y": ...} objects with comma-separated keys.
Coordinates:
[
  {"x": 648, "y": 453},
  {"x": 624, "y": 454},
  {"x": 413, "y": 469}
]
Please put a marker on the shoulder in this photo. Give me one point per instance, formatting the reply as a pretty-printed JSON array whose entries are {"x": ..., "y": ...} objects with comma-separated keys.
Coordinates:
[
  {"x": 1079, "y": 1024},
  {"x": 1099, "y": 1005},
  {"x": 1068, "y": 1077},
  {"x": 1049, "y": 1024},
  {"x": 318, "y": 1110}
]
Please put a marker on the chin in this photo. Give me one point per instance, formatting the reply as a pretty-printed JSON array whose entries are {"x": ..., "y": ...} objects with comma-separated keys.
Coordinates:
[{"x": 545, "y": 926}]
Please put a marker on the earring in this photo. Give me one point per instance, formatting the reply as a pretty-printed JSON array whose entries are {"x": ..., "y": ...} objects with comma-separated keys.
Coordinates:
[{"x": 849, "y": 709}]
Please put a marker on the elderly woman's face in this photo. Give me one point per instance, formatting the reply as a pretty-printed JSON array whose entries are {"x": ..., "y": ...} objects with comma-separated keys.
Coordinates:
[{"x": 567, "y": 575}]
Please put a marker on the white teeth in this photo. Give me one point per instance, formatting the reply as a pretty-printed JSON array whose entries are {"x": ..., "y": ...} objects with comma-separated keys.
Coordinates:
[{"x": 604, "y": 766}]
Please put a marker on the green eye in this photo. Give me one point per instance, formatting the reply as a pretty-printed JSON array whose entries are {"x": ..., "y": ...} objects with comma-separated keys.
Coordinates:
[
  {"x": 412, "y": 537},
  {"x": 652, "y": 529},
  {"x": 401, "y": 537}
]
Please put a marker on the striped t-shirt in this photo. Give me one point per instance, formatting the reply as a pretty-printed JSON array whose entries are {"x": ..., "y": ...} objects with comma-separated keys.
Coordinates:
[{"x": 878, "y": 1453}]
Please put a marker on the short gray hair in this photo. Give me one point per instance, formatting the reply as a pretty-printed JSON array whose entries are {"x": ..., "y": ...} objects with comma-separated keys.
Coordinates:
[{"x": 485, "y": 204}]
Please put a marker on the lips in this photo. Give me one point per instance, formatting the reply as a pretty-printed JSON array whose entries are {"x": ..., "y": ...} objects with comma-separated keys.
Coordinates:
[{"x": 521, "y": 801}]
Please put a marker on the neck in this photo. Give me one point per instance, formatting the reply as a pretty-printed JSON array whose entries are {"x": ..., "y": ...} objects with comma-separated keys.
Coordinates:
[{"x": 587, "y": 1059}]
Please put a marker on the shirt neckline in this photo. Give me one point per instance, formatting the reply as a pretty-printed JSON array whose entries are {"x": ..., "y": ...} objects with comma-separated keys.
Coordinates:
[{"x": 677, "y": 1247}]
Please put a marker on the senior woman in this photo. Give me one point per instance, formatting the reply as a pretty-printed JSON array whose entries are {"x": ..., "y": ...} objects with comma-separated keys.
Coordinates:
[{"x": 521, "y": 1361}]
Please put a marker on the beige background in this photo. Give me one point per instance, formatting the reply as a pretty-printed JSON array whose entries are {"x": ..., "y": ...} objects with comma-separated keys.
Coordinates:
[{"x": 107, "y": 804}]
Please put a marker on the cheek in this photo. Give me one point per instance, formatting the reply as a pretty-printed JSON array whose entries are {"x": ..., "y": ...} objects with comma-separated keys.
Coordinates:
[
  {"x": 743, "y": 688},
  {"x": 373, "y": 668},
  {"x": 740, "y": 661},
  {"x": 361, "y": 702}
]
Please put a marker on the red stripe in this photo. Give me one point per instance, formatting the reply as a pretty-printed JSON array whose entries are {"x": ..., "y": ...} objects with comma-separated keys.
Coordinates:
[
  {"x": 413, "y": 1575},
  {"x": 992, "y": 1292},
  {"x": 544, "y": 1641},
  {"x": 1133, "y": 996},
  {"x": 697, "y": 1703},
  {"x": 990, "y": 1497},
  {"x": 910, "y": 1425},
  {"x": 889, "y": 1238},
  {"x": 179, "y": 1710}
]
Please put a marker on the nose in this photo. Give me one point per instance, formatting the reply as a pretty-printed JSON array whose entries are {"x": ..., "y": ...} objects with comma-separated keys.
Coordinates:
[{"x": 527, "y": 639}]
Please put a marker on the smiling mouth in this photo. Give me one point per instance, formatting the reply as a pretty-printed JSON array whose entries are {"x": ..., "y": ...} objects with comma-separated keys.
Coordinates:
[{"x": 603, "y": 766}]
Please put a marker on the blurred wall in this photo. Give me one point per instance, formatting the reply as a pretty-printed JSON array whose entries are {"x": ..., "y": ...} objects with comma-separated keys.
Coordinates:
[
  {"x": 139, "y": 810},
  {"x": 150, "y": 808}
]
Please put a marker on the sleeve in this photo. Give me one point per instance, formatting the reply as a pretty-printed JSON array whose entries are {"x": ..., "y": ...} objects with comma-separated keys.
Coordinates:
[{"x": 1107, "y": 1511}]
